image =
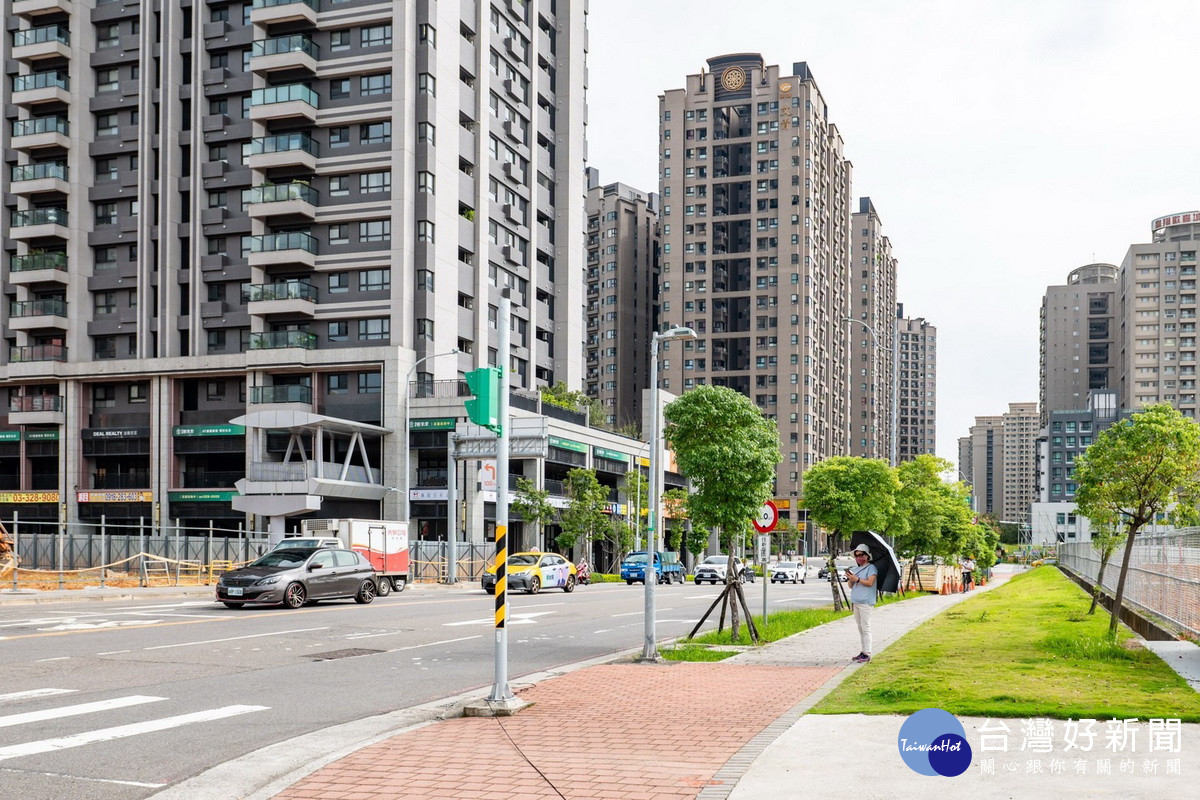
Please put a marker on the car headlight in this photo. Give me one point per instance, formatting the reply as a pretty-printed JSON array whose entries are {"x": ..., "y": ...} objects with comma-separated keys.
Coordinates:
[{"x": 267, "y": 581}]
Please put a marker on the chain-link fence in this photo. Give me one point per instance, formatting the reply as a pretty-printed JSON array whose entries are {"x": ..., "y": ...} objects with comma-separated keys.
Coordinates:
[{"x": 1164, "y": 573}]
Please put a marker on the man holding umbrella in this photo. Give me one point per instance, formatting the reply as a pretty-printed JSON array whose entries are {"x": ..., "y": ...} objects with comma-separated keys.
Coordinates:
[{"x": 863, "y": 594}]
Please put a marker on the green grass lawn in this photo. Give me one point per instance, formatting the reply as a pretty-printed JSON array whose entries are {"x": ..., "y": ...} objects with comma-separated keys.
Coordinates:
[
  {"x": 694, "y": 652},
  {"x": 1027, "y": 648}
]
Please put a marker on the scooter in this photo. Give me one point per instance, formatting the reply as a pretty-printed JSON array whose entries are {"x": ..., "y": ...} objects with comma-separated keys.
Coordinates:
[{"x": 583, "y": 573}]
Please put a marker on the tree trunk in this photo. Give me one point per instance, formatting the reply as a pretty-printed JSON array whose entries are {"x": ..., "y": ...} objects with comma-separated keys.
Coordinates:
[
  {"x": 1120, "y": 596},
  {"x": 1097, "y": 589},
  {"x": 734, "y": 624}
]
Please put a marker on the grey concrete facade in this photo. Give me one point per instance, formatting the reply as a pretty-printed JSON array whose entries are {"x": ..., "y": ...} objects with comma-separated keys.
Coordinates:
[
  {"x": 221, "y": 208},
  {"x": 873, "y": 345},
  {"x": 1003, "y": 468},
  {"x": 917, "y": 388},
  {"x": 1078, "y": 335}
]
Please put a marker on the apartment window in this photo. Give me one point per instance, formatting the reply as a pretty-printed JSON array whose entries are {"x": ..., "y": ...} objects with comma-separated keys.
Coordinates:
[
  {"x": 376, "y": 133},
  {"x": 339, "y": 331},
  {"x": 339, "y": 40},
  {"x": 375, "y": 182},
  {"x": 106, "y": 169},
  {"x": 108, "y": 35},
  {"x": 217, "y": 152},
  {"x": 426, "y": 133},
  {"x": 339, "y": 234},
  {"x": 218, "y": 60},
  {"x": 376, "y": 280},
  {"x": 217, "y": 199},
  {"x": 218, "y": 14},
  {"x": 380, "y": 35},
  {"x": 425, "y": 329},
  {"x": 426, "y": 34},
  {"x": 374, "y": 329},
  {"x": 425, "y": 181},
  {"x": 338, "y": 383},
  {"x": 216, "y": 245},
  {"x": 106, "y": 213},
  {"x": 425, "y": 230},
  {"x": 375, "y": 84},
  {"x": 375, "y": 230},
  {"x": 107, "y": 80},
  {"x": 339, "y": 185},
  {"x": 106, "y": 124},
  {"x": 339, "y": 89},
  {"x": 370, "y": 383},
  {"x": 425, "y": 282},
  {"x": 339, "y": 282},
  {"x": 139, "y": 392},
  {"x": 105, "y": 258},
  {"x": 104, "y": 303},
  {"x": 426, "y": 84},
  {"x": 339, "y": 137}
]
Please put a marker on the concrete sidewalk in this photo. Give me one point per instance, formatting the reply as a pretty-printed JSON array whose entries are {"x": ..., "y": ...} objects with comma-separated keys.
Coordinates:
[{"x": 625, "y": 730}]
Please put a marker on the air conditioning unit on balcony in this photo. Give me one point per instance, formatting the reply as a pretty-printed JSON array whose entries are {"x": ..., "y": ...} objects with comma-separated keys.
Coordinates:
[
  {"x": 511, "y": 171},
  {"x": 510, "y": 254}
]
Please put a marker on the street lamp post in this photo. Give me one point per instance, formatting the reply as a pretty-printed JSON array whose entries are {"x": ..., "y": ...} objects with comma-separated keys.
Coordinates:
[
  {"x": 650, "y": 649},
  {"x": 894, "y": 403}
]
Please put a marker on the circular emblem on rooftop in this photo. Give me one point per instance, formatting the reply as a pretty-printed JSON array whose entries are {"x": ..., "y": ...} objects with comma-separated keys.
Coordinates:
[{"x": 733, "y": 78}]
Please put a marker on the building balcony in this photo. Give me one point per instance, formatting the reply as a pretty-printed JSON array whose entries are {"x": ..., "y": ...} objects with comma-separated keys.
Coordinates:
[
  {"x": 294, "y": 247},
  {"x": 281, "y": 395},
  {"x": 205, "y": 479},
  {"x": 284, "y": 52},
  {"x": 47, "y": 41},
  {"x": 36, "y": 223},
  {"x": 283, "y": 102},
  {"x": 135, "y": 479},
  {"x": 285, "y": 199},
  {"x": 36, "y": 8},
  {"x": 269, "y": 12},
  {"x": 38, "y": 268},
  {"x": 284, "y": 150},
  {"x": 37, "y": 352},
  {"x": 286, "y": 297},
  {"x": 27, "y": 315},
  {"x": 27, "y": 179},
  {"x": 52, "y": 86},
  {"x": 39, "y": 132},
  {"x": 36, "y": 409},
  {"x": 277, "y": 340}
]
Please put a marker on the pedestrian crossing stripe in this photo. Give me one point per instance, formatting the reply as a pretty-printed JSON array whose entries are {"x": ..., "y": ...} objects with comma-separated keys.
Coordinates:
[
  {"x": 75, "y": 710},
  {"x": 13, "y": 697}
]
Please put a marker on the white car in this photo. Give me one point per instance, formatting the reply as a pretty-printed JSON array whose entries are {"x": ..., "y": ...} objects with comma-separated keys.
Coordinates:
[
  {"x": 712, "y": 570},
  {"x": 309, "y": 541},
  {"x": 792, "y": 571}
]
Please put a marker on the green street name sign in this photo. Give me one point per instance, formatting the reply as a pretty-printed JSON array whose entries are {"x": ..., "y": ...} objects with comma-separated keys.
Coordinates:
[
  {"x": 201, "y": 497},
  {"x": 436, "y": 424},
  {"x": 209, "y": 430},
  {"x": 612, "y": 455},
  {"x": 567, "y": 444}
]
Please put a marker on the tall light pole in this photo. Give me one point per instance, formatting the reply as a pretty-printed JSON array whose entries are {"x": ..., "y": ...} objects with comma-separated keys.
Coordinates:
[
  {"x": 874, "y": 379},
  {"x": 405, "y": 433},
  {"x": 650, "y": 649}
]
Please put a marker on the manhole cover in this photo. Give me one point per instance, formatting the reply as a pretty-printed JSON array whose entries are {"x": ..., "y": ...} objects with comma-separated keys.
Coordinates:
[{"x": 348, "y": 653}]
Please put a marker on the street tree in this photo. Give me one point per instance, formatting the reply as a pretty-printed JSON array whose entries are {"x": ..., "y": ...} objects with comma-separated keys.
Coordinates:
[
  {"x": 1139, "y": 468},
  {"x": 1106, "y": 538},
  {"x": 583, "y": 519},
  {"x": 533, "y": 506},
  {"x": 636, "y": 489},
  {"x": 926, "y": 507},
  {"x": 729, "y": 450},
  {"x": 845, "y": 494},
  {"x": 679, "y": 535}
]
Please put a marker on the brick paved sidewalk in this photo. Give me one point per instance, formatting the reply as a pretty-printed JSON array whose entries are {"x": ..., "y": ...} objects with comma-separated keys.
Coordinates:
[{"x": 586, "y": 735}]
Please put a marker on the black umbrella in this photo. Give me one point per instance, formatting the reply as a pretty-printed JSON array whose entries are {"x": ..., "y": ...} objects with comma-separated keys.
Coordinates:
[{"x": 882, "y": 556}]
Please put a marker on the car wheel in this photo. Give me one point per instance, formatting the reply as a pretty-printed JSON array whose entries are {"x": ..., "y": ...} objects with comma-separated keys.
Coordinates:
[
  {"x": 366, "y": 592},
  {"x": 295, "y": 595},
  {"x": 490, "y": 589},
  {"x": 535, "y": 585},
  {"x": 570, "y": 587},
  {"x": 234, "y": 605},
  {"x": 628, "y": 582},
  {"x": 385, "y": 586},
  {"x": 399, "y": 583}
]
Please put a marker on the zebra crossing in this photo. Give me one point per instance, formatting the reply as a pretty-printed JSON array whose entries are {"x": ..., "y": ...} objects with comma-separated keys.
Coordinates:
[{"x": 86, "y": 715}]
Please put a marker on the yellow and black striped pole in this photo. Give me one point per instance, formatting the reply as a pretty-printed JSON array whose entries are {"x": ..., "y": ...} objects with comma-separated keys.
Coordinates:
[
  {"x": 500, "y": 691},
  {"x": 501, "y": 576}
]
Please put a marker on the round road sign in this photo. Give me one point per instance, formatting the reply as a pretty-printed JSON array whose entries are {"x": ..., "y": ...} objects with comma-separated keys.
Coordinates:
[{"x": 768, "y": 518}]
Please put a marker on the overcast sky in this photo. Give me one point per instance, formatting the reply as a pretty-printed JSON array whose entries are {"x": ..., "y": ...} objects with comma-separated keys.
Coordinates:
[{"x": 1003, "y": 142}]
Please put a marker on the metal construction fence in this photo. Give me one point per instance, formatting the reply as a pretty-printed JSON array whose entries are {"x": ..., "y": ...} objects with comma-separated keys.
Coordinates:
[
  {"x": 428, "y": 560},
  {"x": 1164, "y": 573}
]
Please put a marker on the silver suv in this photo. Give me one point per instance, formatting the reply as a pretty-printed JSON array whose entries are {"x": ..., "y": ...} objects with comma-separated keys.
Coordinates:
[{"x": 712, "y": 570}]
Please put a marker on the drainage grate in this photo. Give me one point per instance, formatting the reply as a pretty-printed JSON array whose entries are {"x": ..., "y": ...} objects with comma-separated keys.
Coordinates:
[{"x": 348, "y": 653}]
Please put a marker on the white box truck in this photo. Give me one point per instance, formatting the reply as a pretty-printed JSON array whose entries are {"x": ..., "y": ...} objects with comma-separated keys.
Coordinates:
[{"x": 383, "y": 543}]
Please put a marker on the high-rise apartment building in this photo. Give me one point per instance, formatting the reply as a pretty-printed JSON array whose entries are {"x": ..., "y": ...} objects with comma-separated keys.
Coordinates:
[
  {"x": 872, "y": 333},
  {"x": 622, "y": 273},
  {"x": 756, "y": 248},
  {"x": 917, "y": 411},
  {"x": 1157, "y": 316},
  {"x": 1003, "y": 468},
  {"x": 1078, "y": 335},
  {"x": 234, "y": 229}
]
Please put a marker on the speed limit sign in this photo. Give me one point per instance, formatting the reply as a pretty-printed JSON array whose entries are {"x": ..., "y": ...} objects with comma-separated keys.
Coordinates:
[{"x": 768, "y": 518}]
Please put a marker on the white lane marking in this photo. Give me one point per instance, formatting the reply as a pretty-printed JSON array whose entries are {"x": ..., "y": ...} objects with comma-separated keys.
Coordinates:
[
  {"x": 85, "y": 778},
  {"x": 76, "y": 710},
  {"x": 539, "y": 605},
  {"x": 56, "y": 658},
  {"x": 106, "y": 625},
  {"x": 632, "y": 613},
  {"x": 431, "y": 644},
  {"x": 36, "y": 621},
  {"x": 373, "y": 635},
  {"x": 112, "y": 652},
  {"x": 513, "y": 619},
  {"x": 31, "y": 693},
  {"x": 132, "y": 609},
  {"x": 235, "y": 638},
  {"x": 122, "y": 731}
]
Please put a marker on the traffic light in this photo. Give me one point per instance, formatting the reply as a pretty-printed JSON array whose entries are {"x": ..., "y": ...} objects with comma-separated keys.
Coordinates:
[{"x": 484, "y": 408}]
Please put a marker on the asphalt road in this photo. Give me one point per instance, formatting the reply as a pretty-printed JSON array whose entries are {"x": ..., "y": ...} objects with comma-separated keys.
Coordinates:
[{"x": 121, "y": 700}]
